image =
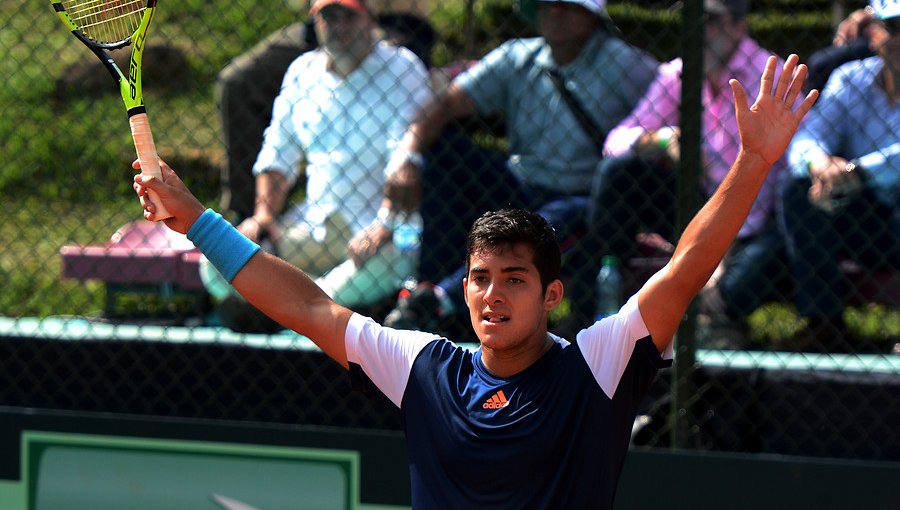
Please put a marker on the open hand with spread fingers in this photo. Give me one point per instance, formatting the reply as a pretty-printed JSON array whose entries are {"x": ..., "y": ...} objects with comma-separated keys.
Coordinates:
[{"x": 767, "y": 126}]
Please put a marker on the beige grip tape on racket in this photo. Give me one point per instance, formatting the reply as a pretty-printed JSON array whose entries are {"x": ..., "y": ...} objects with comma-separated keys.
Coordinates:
[{"x": 146, "y": 153}]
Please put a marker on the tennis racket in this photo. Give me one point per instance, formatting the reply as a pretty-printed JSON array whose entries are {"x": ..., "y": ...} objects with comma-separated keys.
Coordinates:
[{"x": 109, "y": 25}]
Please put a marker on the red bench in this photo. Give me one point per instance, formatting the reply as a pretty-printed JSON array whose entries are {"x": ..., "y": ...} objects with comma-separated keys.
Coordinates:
[
  {"x": 142, "y": 257},
  {"x": 868, "y": 287}
]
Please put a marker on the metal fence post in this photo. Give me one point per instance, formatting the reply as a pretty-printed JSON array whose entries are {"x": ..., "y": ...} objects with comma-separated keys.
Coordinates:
[{"x": 689, "y": 179}]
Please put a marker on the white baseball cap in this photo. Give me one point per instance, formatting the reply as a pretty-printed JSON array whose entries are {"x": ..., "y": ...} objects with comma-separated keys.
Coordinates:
[
  {"x": 885, "y": 9},
  {"x": 595, "y": 6}
]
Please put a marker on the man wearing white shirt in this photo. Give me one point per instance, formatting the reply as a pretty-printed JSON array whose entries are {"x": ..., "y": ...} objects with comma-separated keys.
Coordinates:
[{"x": 340, "y": 113}]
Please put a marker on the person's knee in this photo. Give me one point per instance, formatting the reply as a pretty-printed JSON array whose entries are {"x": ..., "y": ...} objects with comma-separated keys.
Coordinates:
[
  {"x": 614, "y": 178},
  {"x": 738, "y": 296},
  {"x": 618, "y": 176},
  {"x": 794, "y": 188},
  {"x": 615, "y": 167},
  {"x": 796, "y": 208}
]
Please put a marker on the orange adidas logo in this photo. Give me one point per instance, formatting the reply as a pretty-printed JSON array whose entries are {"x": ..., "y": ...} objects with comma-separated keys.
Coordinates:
[{"x": 498, "y": 401}]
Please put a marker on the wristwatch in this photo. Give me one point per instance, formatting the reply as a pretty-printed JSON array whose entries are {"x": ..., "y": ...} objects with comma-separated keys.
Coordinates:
[
  {"x": 386, "y": 218},
  {"x": 401, "y": 156}
]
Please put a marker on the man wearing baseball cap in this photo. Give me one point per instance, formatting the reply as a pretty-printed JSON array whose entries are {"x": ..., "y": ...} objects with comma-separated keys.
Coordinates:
[
  {"x": 346, "y": 42},
  {"x": 247, "y": 86},
  {"x": 552, "y": 153},
  {"x": 842, "y": 199},
  {"x": 341, "y": 110},
  {"x": 886, "y": 9}
]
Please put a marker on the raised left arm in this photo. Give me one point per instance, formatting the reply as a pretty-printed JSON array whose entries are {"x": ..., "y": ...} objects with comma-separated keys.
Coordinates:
[{"x": 765, "y": 129}]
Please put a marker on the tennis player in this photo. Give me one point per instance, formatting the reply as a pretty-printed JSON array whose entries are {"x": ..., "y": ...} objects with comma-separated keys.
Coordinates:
[{"x": 528, "y": 420}]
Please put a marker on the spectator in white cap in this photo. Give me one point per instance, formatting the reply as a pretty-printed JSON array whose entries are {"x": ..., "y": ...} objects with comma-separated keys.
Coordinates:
[
  {"x": 843, "y": 195},
  {"x": 559, "y": 94},
  {"x": 886, "y": 9}
]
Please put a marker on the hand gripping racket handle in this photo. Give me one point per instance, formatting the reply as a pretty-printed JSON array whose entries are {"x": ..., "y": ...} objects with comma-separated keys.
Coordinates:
[{"x": 146, "y": 153}]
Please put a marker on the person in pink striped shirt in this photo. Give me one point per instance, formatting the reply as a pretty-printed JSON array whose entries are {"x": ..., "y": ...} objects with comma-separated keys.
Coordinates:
[{"x": 636, "y": 187}]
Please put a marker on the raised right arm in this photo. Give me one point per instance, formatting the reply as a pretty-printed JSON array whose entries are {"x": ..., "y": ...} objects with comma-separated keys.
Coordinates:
[
  {"x": 289, "y": 296},
  {"x": 766, "y": 128}
]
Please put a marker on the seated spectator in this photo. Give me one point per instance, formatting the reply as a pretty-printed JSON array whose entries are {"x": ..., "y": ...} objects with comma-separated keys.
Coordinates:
[
  {"x": 341, "y": 111},
  {"x": 247, "y": 86},
  {"x": 842, "y": 197},
  {"x": 637, "y": 185},
  {"x": 856, "y": 37},
  {"x": 552, "y": 157}
]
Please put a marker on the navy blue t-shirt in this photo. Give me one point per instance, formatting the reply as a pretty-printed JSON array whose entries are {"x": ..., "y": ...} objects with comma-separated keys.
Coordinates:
[{"x": 552, "y": 436}]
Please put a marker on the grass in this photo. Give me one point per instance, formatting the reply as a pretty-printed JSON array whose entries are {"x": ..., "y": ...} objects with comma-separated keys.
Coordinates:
[
  {"x": 65, "y": 175},
  {"x": 30, "y": 265}
]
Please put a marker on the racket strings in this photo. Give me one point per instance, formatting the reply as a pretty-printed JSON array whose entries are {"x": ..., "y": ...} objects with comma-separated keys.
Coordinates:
[{"x": 106, "y": 21}]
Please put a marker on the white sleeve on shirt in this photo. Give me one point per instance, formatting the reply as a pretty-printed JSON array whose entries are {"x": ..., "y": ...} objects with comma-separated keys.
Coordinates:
[
  {"x": 608, "y": 345},
  {"x": 386, "y": 355},
  {"x": 281, "y": 152}
]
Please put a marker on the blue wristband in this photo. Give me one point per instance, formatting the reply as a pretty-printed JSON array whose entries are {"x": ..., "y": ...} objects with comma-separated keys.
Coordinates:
[{"x": 227, "y": 249}]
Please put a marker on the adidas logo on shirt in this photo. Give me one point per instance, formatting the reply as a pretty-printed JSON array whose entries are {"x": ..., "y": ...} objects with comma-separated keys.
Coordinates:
[{"x": 497, "y": 401}]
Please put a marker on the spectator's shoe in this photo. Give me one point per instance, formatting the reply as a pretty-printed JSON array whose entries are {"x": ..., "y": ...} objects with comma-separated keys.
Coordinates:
[
  {"x": 719, "y": 332},
  {"x": 824, "y": 336},
  {"x": 420, "y": 306}
]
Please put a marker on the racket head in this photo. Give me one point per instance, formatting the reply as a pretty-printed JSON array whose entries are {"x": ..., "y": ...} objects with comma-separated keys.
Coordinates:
[{"x": 107, "y": 24}]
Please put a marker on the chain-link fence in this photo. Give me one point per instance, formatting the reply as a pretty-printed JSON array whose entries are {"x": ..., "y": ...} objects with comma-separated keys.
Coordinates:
[{"x": 788, "y": 350}]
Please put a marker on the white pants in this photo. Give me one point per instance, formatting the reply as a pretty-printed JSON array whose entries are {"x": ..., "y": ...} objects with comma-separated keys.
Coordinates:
[{"x": 327, "y": 262}]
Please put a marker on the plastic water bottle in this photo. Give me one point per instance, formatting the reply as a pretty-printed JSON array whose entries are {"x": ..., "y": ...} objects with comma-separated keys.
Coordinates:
[
  {"x": 408, "y": 233},
  {"x": 408, "y": 242},
  {"x": 610, "y": 288}
]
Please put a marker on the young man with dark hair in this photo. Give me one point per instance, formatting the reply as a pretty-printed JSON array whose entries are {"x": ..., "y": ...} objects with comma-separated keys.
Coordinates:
[{"x": 528, "y": 420}]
